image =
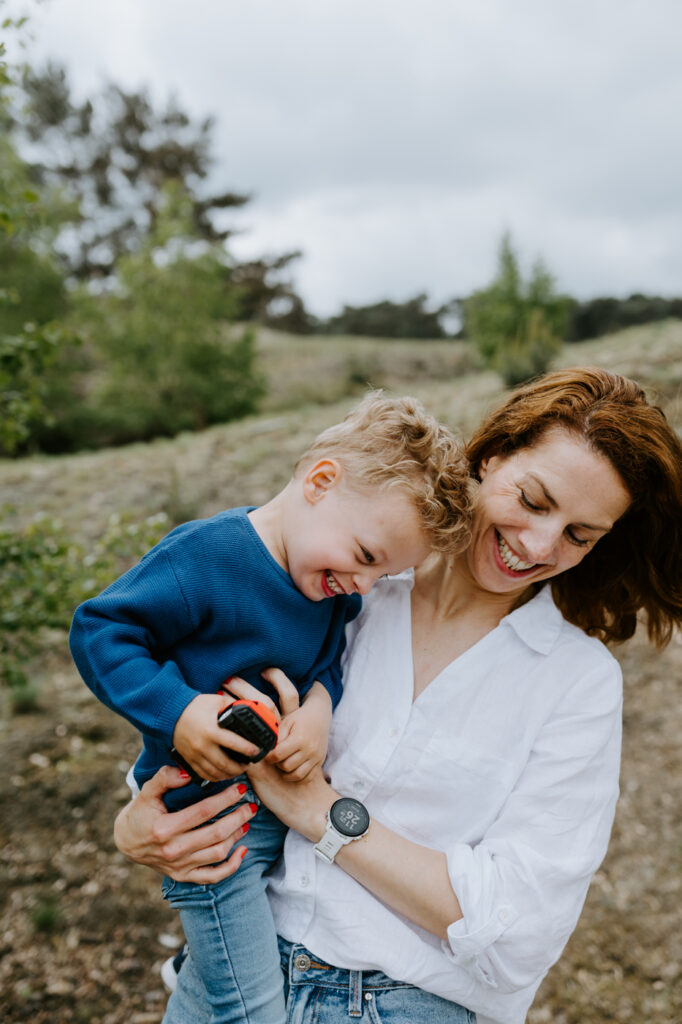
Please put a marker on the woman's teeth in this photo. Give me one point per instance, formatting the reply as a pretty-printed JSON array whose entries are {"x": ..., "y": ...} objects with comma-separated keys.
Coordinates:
[
  {"x": 511, "y": 560},
  {"x": 332, "y": 584}
]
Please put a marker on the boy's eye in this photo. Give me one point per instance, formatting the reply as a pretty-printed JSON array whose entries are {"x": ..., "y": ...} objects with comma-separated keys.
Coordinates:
[{"x": 367, "y": 555}]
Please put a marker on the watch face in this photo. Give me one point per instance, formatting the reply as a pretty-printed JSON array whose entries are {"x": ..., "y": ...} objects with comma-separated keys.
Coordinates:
[{"x": 349, "y": 817}]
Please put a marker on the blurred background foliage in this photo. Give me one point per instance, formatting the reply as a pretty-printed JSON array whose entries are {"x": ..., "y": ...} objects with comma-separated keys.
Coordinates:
[{"x": 123, "y": 314}]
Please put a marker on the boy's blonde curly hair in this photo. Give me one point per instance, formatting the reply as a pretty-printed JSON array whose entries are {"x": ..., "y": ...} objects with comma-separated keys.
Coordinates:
[{"x": 386, "y": 441}]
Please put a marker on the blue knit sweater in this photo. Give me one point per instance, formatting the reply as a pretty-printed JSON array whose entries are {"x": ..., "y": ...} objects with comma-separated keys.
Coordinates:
[{"x": 208, "y": 602}]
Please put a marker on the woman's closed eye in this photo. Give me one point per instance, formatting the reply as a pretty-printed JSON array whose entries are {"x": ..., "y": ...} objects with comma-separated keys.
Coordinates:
[
  {"x": 576, "y": 540},
  {"x": 527, "y": 503},
  {"x": 367, "y": 556}
]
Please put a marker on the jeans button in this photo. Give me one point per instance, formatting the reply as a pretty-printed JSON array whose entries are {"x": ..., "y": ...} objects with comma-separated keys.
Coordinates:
[{"x": 302, "y": 962}]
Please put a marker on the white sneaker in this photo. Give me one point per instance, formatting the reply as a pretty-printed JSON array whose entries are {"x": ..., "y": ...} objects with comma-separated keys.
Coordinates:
[{"x": 170, "y": 969}]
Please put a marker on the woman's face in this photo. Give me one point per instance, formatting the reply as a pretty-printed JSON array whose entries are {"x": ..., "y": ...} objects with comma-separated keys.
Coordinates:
[{"x": 541, "y": 510}]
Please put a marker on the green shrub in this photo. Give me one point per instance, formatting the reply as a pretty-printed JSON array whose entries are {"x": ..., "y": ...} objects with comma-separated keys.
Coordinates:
[
  {"x": 517, "y": 326},
  {"x": 44, "y": 575},
  {"x": 161, "y": 354}
]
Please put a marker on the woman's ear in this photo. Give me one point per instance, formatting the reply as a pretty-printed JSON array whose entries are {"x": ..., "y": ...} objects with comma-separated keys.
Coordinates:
[
  {"x": 320, "y": 479},
  {"x": 482, "y": 469}
]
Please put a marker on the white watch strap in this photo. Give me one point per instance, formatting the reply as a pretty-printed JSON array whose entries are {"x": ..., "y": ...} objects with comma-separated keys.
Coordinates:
[{"x": 330, "y": 844}]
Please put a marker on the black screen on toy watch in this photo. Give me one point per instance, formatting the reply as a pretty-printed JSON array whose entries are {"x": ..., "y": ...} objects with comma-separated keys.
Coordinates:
[{"x": 349, "y": 816}]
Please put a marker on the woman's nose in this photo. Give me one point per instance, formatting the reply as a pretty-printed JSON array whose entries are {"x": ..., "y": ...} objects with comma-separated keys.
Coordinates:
[{"x": 540, "y": 542}]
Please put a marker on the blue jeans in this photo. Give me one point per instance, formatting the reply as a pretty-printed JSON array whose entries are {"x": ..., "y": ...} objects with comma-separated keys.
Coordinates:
[
  {"x": 318, "y": 993},
  {"x": 231, "y": 934}
]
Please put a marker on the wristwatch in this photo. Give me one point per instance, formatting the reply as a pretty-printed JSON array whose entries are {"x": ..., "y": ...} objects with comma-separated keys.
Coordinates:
[{"x": 347, "y": 820}]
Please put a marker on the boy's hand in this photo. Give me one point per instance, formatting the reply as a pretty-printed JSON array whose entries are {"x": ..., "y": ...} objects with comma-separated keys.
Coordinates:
[
  {"x": 200, "y": 740},
  {"x": 303, "y": 735}
]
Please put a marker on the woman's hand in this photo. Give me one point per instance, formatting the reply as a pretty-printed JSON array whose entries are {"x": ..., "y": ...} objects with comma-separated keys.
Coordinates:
[
  {"x": 301, "y": 805},
  {"x": 183, "y": 844}
]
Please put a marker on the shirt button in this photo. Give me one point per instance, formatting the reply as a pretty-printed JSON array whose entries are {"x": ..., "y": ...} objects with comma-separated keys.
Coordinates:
[
  {"x": 305, "y": 881},
  {"x": 358, "y": 786},
  {"x": 302, "y": 962},
  {"x": 393, "y": 733},
  {"x": 504, "y": 916}
]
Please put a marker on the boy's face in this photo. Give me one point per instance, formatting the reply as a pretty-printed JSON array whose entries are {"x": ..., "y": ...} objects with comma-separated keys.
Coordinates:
[{"x": 346, "y": 538}]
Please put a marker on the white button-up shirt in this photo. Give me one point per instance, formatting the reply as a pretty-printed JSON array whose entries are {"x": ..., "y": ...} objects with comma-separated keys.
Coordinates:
[{"x": 508, "y": 762}]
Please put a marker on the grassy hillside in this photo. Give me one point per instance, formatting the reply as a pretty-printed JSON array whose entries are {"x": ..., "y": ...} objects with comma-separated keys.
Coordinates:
[
  {"x": 310, "y": 387},
  {"x": 83, "y": 932}
]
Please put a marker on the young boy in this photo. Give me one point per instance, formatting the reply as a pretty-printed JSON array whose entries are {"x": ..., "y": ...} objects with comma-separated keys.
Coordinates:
[{"x": 253, "y": 588}]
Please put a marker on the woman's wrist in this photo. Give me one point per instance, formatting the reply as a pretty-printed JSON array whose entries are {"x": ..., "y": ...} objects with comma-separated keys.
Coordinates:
[{"x": 314, "y": 821}]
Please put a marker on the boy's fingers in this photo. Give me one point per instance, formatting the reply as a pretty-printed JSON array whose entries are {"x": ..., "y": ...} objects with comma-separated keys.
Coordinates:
[
  {"x": 231, "y": 741},
  {"x": 241, "y": 688},
  {"x": 282, "y": 751},
  {"x": 290, "y": 764},
  {"x": 287, "y": 692}
]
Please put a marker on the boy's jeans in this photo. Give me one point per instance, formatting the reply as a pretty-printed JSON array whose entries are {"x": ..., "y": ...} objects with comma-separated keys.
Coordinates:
[{"x": 231, "y": 934}]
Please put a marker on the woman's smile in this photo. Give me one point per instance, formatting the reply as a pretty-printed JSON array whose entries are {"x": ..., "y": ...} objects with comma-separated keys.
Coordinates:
[{"x": 510, "y": 561}]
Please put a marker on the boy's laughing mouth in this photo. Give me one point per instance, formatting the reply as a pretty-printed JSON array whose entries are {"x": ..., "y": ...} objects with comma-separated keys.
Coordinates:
[{"x": 330, "y": 585}]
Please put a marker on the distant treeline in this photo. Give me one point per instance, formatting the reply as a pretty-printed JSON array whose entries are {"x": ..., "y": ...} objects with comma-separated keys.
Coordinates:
[
  {"x": 605, "y": 315},
  {"x": 412, "y": 319}
]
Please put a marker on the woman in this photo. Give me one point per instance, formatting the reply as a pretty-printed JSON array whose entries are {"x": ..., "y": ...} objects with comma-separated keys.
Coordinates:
[{"x": 480, "y": 725}]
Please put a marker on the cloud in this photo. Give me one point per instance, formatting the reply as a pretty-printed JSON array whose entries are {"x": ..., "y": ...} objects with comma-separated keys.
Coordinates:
[{"x": 394, "y": 142}]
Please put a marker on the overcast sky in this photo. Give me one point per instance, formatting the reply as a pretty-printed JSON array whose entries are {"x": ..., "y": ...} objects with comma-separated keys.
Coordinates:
[{"x": 393, "y": 141}]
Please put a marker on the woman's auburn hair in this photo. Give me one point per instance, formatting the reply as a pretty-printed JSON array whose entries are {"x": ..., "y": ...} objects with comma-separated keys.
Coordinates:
[{"x": 637, "y": 566}]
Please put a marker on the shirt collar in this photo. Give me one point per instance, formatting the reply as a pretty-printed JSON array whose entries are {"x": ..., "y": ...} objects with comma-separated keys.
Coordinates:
[{"x": 538, "y": 622}]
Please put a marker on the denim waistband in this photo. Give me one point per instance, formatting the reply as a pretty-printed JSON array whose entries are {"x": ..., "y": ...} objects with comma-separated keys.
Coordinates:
[{"x": 305, "y": 968}]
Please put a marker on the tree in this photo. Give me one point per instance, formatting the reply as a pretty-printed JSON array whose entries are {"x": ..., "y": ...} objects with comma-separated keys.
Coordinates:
[
  {"x": 160, "y": 355},
  {"x": 517, "y": 326},
  {"x": 31, "y": 287},
  {"x": 388, "y": 319},
  {"x": 114, "y": 155}
]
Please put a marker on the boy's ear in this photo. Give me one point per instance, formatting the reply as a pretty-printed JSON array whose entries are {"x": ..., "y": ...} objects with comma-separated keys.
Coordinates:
[{"x": 320, "y": 478}]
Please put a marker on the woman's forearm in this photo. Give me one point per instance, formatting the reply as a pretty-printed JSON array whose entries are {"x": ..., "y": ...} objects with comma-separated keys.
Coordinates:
[{"x": 408, "y": 877}]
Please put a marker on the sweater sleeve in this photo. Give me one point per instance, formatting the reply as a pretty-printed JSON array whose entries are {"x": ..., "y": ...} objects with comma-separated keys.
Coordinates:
[
  {"x": 522, "y": 887},
  {"x": 117, "y": 641},
  {"x": 327, "y": 669}
]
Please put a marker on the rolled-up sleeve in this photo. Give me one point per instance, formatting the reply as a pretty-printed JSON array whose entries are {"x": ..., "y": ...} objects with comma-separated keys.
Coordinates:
[{"x": 522, "y": 887}]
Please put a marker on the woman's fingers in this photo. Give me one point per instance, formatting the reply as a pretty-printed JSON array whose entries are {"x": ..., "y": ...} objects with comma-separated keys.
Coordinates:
[
  {"x": 287, "y": 692},
  {"x": 181, "y": 855},
  {"x": 200, "y": 814},
  {"x": 210, "y": 874},
  {"x": 167, "y": 777}
]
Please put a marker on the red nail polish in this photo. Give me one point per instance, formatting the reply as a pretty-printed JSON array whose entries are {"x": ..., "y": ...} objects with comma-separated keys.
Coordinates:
[
  {"x": 183, "y": 774},
  {"x": 241, "y": 789},
  {"x": 254, "y": 808},
  {"x": 245, "y": 828},
  {"x": 244, "y": 853}
]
